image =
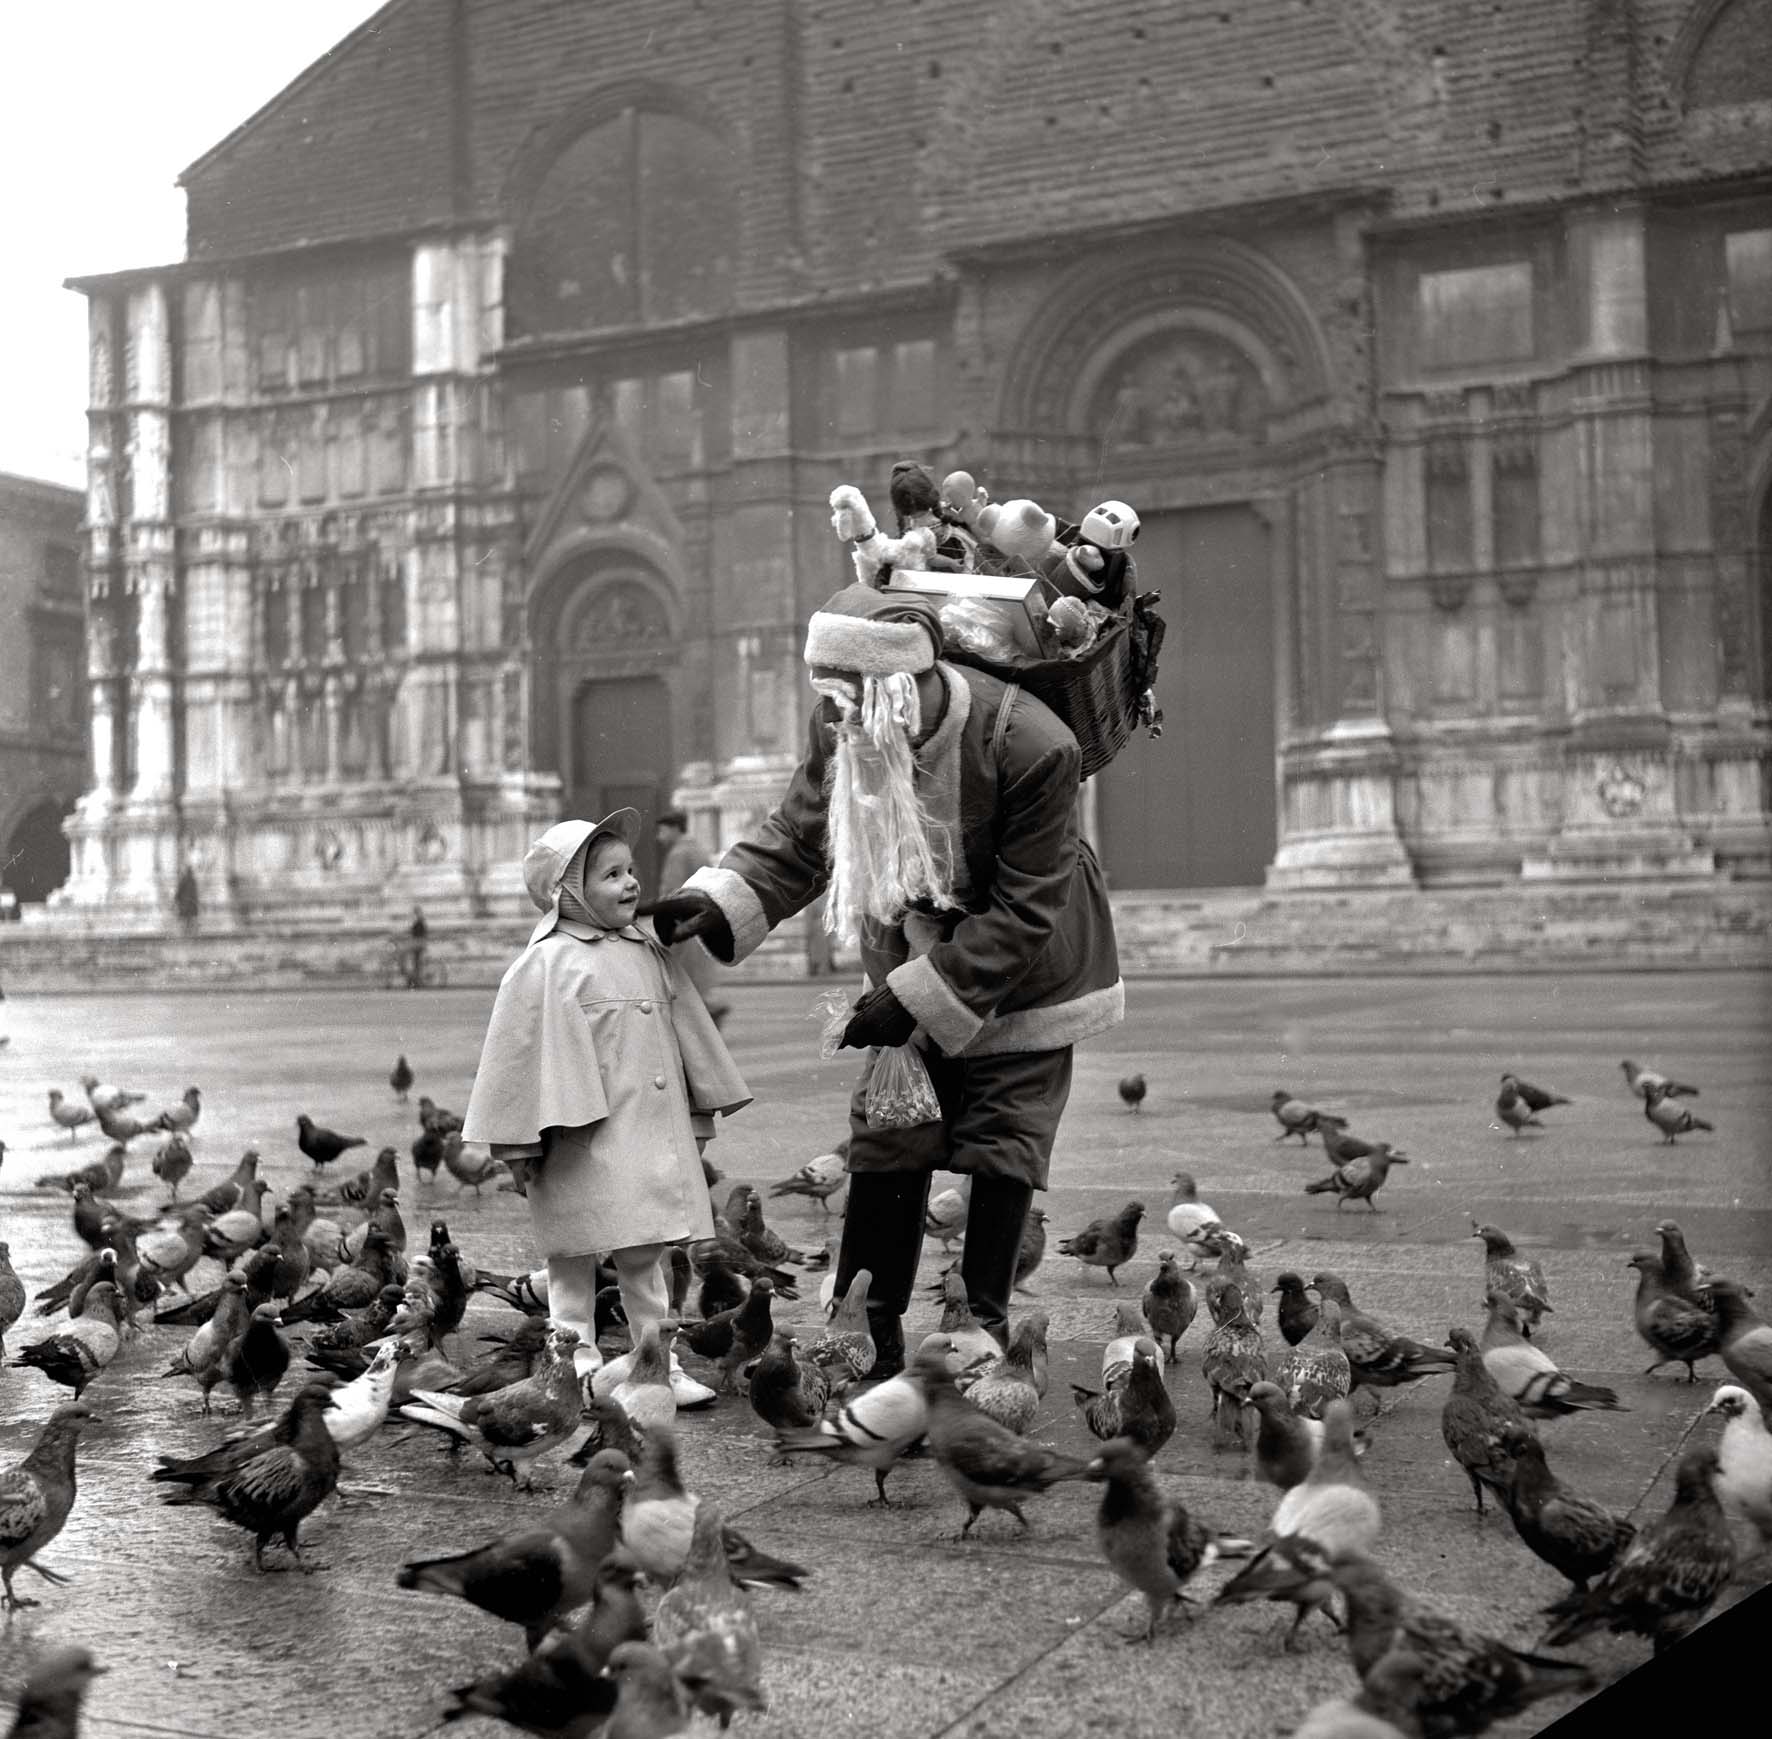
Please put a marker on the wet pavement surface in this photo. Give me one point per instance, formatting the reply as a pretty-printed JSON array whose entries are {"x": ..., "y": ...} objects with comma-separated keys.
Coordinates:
[{"x": 902, "y": 1630}]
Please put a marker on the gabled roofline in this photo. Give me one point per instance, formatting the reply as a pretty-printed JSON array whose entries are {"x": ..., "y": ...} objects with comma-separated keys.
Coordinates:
[{"x": 295, "y": 86}]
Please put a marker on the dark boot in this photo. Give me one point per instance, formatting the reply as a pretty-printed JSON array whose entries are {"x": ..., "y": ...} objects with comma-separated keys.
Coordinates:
[
  {"x": 883, "y": 1233},
  {"x": 994, "y": 1222}
]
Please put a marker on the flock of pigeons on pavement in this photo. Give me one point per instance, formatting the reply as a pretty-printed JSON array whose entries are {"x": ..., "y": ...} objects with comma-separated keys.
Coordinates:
[{"x": 325, "y": 1323}]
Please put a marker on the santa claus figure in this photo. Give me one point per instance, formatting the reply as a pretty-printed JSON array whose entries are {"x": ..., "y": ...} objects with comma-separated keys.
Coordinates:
[{"x": 936, "y": 810}]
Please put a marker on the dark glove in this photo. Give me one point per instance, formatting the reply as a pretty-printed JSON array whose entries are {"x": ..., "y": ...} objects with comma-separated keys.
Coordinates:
[
  {"x": 681, "y": 917},
  {"x": 879, "y": 1019}
]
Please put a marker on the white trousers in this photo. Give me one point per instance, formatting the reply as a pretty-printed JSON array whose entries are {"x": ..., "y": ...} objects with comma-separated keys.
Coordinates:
[{"x": 572, "y": 1295}]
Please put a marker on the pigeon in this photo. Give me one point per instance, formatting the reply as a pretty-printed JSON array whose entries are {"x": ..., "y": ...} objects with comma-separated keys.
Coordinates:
[
  {"x": 1033, "y": 1249},
  {"x": 292, "y": 1260},
  {"x": 122, "y": 1128},
  {"x": 1512, "y": 1109},
  {"x": 473, "y": 1170},
  {"x": 1470, "y": 1680},
  {"x": 351, "y": 1286},
  {"x": 102, "y": 1096},
  {"x": 989, "y": 1465},
  {"x": 706, "y": 1630},
  {"x": 1577, "y": 1537},
  {"x": 1232, "y": 1270},
  {"x": 427, "y": 1154},
  {"x": 1294, "y": 1117},
  {"x": 1378, "y": 1357},
  {"x": 85, "y": 1345},
  {"x": 323, "y": 1146},
  {"x": 1683, "y": 1276},
  {"x": 54, "y": 1689},
  {"x": 68, "y": 1114},
  {"x": 181, "y": 1119},
  {"x": 1151, "y": 1542},
  {"x": 555, "y": 1694},
  {"x": 1234, "y": 1362},
  {"x": 658, "y": 1524},
  {"x": 360, "y": 1328},
  {"x": 1536, "y": 1098},
  {"x": 1341, "y": 1147},
  {"x": 1744, "y": 1460},
  {"x": 1170, "y": 1303},
  {"x": 1116, "y": 1357},
  {"x": 764, "y": 1244},
  {"x": 1328, "y": 1513},
  {"x": 12, "y": 1293},
  {"x": 1514, "y": 1276},
  {"x": 721, "y": 1289},
  {"x": 229, "y": 1236},
  {"x": 401, "y": 1077},
  {"x": 1672, "y": 1118},
  {"x": 1647, "y": 1083},
  {"x": 36, "y": 1497},
  {"x": 172, "y": 1163},
  {"x": 102, "y": 1176},
  {"x": 431, "y": 1115},
  {"x": 872, "y": 1430},
  {"x": 1286, "y": 1445},
  {"x": 538, "y": 1575},
  {"x": 1384, "y": 1708},
  {"x": 1530, "y": 1375},
  {"x": 819, "y": 1179},
  {"x": 1189, "y": 1218},
  {"x": 1107, "y": 1243},
  {"x": 367, "y": 1186},
  {"x": 1009, "y": 1388},
  {"x": 946, "y": 1212},
  {"x": 788, "y": 1391},
  {"x": 1359, "y": 1180},
  {"x": 360, "y": 1407},
  {"x": 1666, "y": 1579},
  {"x": 1132, "y": 1091},
  {"x": 254, "y": 1364},
  {"x": 272, "y": 1492},
  {"x": 1475, "y": 1420},
  {"x": 203, "y": 1354},
  {"x": 753, "y": 1327},
  {"x": 1316, "y": 1371},
  {"x": 512, "y": 1427},
  {"x": 227, "y": 1193},
  {"x": 1296, "y": 1315},
  {"x": 1138, "y": 1407},
  {"x": 972, "y": 1346},
  {"x": 844, "y": 1348},
  {"x": 1746, "y": 1341},
  {"x": 616, "y": 1615}
]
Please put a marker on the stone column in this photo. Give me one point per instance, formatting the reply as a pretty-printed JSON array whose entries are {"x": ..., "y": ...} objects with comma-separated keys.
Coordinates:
[
  {"x": 1338, "y": 824},
  {"x": 1620, "y": 804}
]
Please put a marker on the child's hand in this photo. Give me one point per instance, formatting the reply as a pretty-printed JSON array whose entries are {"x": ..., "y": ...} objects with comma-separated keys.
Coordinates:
[{"x": 521, "y": 1170}]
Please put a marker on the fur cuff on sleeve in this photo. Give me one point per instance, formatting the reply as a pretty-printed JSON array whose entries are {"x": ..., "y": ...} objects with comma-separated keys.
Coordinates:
[
  {"x": 939, "y": 1012},
  {"x": 744, "y": 911}
]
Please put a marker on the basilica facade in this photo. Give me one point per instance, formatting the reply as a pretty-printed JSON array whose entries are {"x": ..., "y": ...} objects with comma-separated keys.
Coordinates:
[{"x": 472, "y": 467}]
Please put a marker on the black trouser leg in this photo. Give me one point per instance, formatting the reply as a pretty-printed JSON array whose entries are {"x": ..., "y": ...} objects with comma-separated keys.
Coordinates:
[
  {"x": 883, "y": 1233},
  {"x": 994, "y": 1223}
]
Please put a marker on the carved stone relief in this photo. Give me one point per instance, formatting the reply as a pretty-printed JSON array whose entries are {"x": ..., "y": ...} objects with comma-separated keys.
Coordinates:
[
  {"x": 621, "y": 613},
  {"x": 1177, "y": 390}
]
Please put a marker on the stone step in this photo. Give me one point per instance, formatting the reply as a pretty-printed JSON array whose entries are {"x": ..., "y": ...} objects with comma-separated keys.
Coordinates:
[{"x": 1192, "y": 933}]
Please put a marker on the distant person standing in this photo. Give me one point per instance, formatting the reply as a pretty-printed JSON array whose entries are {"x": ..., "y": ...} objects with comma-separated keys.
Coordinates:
[
  {"x": 185, "y": 902},
  {"x": 681, "y": 856},
  {"x": 413, "y": 949}
]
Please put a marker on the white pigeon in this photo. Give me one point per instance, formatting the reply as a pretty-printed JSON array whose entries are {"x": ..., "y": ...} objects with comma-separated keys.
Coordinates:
[
  {"x": 645, "y": 1394},
  {"x": 360, "y": 1407},
  {"x": 104, "y": 1097},
  {"x": 1116, "y": 1357},
  {"x": 1189, "y": 1216},
  {"x": 1744, "y": 1460},
  {"x": 945, "y": 1216},
  {"x": 1332, "y": 1505}
]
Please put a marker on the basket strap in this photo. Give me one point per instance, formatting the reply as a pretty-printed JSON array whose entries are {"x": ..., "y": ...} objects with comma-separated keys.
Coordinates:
[{"x": 1001, "y": 729}]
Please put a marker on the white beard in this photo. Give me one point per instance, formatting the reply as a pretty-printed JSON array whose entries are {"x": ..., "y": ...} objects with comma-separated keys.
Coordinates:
[{"x": 881, "y": 846}]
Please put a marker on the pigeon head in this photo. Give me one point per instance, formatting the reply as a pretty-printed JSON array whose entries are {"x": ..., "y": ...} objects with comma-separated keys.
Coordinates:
[
  {"x": 1118, "y": 1458},
  {"x": 1267, "y": 1397},
  {"x": 1330, "y": 1285},
  {"x": 1697, "y": 1469},
  {"x": 314, "y": 1397},
  {"x": 1132, "y": 1213},
  {"x": 1645, "y": 1262},
  {"x": 610, "y": 1469},
  {"x": 1502, "y": 1308},
  {"x": 1184, "y": 1186},
  {"x": 1289, "y": 1283},
  {"x": 1496, "y": 1242},
  {"x": 1461, "y": 1340},
  {"x": 270, "y": 1313},
  {"x": 74, "y": 1415},
  {"x": 1730, "y": 1401}
]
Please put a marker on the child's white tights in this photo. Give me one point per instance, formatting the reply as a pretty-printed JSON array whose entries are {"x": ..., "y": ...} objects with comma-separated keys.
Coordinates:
[{"x": 572, "y": 1295}]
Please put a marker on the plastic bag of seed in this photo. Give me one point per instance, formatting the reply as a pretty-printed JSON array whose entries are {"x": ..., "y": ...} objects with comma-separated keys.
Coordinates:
[{"x": 899, "y": 1093}]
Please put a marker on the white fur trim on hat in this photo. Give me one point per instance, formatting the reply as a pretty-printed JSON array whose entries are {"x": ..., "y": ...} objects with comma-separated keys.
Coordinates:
[{"x": 868, "y": 646}]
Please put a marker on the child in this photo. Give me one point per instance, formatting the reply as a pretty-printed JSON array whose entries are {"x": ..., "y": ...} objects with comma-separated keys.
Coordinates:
[{"x": 598, "y": 1084}]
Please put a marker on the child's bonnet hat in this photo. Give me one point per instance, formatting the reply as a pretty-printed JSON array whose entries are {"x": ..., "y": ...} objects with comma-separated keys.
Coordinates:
[{"x": 546, "y": 862}]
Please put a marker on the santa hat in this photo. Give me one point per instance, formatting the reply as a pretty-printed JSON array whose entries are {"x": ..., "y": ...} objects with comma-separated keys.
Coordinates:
[{"x": 875, "y": 633}]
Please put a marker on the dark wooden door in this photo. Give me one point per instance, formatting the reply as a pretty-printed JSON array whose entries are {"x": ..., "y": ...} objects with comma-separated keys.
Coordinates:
[
  {"x": 1195, "y": 809},
  {"x": 622, "y": 757}
]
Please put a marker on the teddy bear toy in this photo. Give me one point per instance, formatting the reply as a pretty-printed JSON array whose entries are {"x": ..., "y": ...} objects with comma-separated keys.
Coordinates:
[{"x": 875, "y": 554}]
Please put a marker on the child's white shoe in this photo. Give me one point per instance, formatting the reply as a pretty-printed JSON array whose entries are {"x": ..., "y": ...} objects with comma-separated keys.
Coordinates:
[{"x": 687, "y": 1391}]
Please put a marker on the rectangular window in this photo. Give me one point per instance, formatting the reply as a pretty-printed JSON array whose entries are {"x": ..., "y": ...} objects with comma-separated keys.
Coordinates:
[
  {"x": 273, "y": 314},
  {"x": 61, "y": 571},
  {"x": 1448, "y": 507},
  {"x": 855, "y": 389},
  {"x": 1747, "y": 256},
  {"x": 913, "y": 408},
  {"x": 674, "y": 428},
  {"x": 1514, "y": 475},
  {"x": 1475, "y": 315}
]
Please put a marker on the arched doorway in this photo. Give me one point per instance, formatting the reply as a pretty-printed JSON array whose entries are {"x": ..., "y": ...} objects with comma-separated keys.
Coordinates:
[
  {"x": 37, "y": 858},
  {"x": 622, "y": 756}
]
